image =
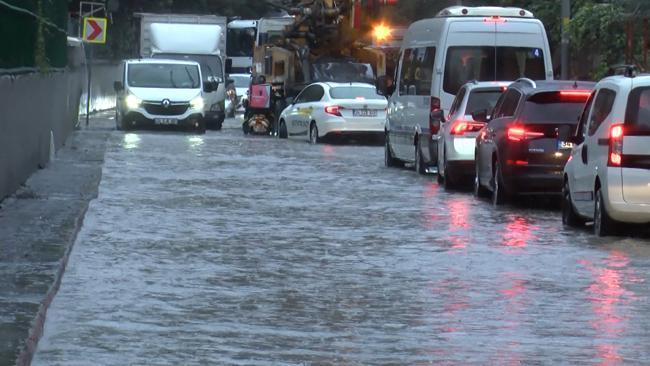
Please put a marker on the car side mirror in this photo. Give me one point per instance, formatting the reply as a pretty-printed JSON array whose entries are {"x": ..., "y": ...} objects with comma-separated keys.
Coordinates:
[
  {"x": 481, "y": 116},
  {"x": 575, "y": 139},
  {"x": 384, "y": 86},
  {"x": 437, "y": 116},
  {"x": 118, "y": 86}
]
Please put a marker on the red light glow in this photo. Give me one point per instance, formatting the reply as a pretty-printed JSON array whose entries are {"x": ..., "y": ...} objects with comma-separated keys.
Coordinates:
[
  {"x": 616, "y": 132},
  {"x": 494, "y": 19},
  {"x": 520, "y": 133}
]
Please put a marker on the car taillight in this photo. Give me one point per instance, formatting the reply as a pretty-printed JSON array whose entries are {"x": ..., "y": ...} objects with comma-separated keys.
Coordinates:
[
  {"x": 334, "y": 110},
  {"x": 460, "y": 127},
  {"x": 520, "y": 133},
  {"x": 434, "y": 104},
  {"x": 616, "y": 134}
]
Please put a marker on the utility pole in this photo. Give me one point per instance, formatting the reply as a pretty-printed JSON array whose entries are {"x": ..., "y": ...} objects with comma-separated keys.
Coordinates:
[{"x": 566, "y": 18}]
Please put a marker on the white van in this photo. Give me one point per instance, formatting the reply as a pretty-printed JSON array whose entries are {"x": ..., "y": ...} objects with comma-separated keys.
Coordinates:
[{"x": 441, "y": 54}]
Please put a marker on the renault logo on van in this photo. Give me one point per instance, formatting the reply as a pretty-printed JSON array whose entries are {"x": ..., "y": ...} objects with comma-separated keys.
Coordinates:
[{"x": 166, "y": 103}]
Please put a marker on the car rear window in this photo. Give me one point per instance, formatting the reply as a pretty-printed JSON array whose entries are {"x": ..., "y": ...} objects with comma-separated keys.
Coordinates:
[
  {"x": 553, "y": 107},
  {"x": 638, "y": 109},
  {"x": 354, "y": 92},
  {"x": 484, "y": 99}
]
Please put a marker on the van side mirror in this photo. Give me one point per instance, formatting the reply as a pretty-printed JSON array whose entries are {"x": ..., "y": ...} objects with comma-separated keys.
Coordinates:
[
  {"x": 384, "y": 85},
  {"x": 118, "y": 86},
  {"x": 480, "y": 116},
  {"x": 210, "y": 86},
  {"x": 228, "y": 66}
]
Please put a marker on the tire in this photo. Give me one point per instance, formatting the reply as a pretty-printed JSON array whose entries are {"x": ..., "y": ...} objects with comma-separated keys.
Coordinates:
[
  {"x": 603, "y": 224},
  {"x": 420, "y": 166},
  {"x": 499, "y": 196},
  {"x": 389, "y": 160},
  {"x": 569, "y": 216},
  {"x": 449, "y": 179},
  {"x": 479, "y": 190},
  {"x": 283, "y": 130},
  {"x": 245, "y": 128},
  {"x": 313, "y": 134},
  {"x": 118, "y": 124},
  {"x": 201, "y": 129}
]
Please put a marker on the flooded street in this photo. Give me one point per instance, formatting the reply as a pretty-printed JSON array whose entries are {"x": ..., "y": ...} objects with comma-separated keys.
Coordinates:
[{"x": 223, "y": 249}]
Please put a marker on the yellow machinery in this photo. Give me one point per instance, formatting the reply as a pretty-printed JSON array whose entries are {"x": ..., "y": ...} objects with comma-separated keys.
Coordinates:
[{"x": 325, "y": 42}]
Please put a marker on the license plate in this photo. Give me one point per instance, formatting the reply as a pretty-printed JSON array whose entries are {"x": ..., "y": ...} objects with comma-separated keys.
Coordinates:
[
  {"x": 165, "y": 121},
  {"x": 364, "y": 113},
  {"x": 564, "y": 145}
]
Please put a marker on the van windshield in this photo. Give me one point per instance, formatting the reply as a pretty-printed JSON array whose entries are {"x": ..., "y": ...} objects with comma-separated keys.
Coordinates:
[
  {"x": 175, "y": 76},
  {"x": 211, "y": 67},
  {"x": 485, "y": 63}
]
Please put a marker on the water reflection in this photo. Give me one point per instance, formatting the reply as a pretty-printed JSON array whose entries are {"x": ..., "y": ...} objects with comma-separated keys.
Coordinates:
[
  {"x": 458, "y": 211},
  {"x": 195, "y": 143},
  {"x": 609, "y": 300},
  {"x": 131, "y": 141},
  {"x": 518, "y": 232}
]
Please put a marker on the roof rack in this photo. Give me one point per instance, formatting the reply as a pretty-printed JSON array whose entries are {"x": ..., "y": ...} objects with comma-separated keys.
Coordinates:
[
  {"x": 527, "y": 80},
  {"x": 484, "y": 11}
]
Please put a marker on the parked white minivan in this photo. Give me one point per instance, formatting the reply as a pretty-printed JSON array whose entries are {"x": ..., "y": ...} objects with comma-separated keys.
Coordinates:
[{"x": 441, "y": 54}]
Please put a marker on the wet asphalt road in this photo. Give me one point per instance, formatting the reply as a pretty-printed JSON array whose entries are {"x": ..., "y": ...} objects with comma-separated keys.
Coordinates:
[{"x": 223, "y": 249}]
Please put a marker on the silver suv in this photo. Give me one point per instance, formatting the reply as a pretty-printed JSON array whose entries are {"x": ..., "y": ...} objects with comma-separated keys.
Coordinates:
[{"x": 607, "y": 178}]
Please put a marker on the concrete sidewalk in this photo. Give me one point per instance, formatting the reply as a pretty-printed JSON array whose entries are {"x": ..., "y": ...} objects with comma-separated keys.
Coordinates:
[{"x": 38, "y": 225}]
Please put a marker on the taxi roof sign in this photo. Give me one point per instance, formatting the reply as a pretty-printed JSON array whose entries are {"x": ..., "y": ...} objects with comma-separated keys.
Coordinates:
[{"x": 94, "y": 30}]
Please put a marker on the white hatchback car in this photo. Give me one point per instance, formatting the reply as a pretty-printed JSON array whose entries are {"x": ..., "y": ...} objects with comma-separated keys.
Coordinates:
[
  {"x": 607, "y": 178},
  {"x": 334, "y": 109},
  {"x": 457, "y": 135}
]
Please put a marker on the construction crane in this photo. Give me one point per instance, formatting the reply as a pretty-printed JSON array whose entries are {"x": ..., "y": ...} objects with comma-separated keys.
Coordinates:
[{"x": 328, "y": 40}]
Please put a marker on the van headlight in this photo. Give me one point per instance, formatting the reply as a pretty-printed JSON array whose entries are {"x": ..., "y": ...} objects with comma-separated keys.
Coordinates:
[
  {"x": 197, "y": 103},
  {"x": 133, "y": 102}
]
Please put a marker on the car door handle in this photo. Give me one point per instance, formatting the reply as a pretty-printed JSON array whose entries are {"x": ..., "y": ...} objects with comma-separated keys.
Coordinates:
[{"x": 583, "y": 154}]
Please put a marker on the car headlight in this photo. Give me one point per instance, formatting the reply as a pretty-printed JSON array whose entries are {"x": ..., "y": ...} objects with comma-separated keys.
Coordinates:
[
  {"x": 133, "y": 102},
  {"x": 197, "y": 103}
]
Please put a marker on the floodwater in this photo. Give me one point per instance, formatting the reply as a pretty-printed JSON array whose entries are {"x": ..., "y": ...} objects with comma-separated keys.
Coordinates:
[{"x": 223, "y": 249}]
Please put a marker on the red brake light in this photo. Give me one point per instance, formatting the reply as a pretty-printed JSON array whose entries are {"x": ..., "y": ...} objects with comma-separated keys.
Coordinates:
[
  {"x": 434, "y": 104},
  {"x": 334, "y": 110},
  {"x": 520, "y": 133},
  {"x": 494, "y": 19},
  {"x": 459, "y": 128},
  {"x": 616, "y": 134},
  {"x": 577, "y": 95}
]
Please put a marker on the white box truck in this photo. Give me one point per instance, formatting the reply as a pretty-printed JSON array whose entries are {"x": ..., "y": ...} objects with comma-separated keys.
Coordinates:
[{"x": 200, "y": 38}]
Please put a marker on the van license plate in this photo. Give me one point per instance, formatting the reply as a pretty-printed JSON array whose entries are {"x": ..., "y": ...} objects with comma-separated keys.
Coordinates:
[
  {"x": 364, "y": 113},
  {"x": 565, "y": 145},
  {"x": 165, "y": 121}
]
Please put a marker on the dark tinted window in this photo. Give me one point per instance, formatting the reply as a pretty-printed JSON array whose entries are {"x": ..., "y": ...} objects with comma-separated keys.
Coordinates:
[
  {"x": 509, "y": 104},
  {"x": 582, "y": 127},
  {"x": 312, "y": 93},
  {"x": 354, "y": 92},
  {"x": 602, "y": 108},
  {"x": 457, "y": 101},
  {"x": 552, "y": 107},
  {"x": 638, "y": 109},
  {"x": 465, "y": 64},
  {"x": 483, "y": 100},
  {"x": 483, "y": 63},
  {"x": 240, "y": 42},
  {"x": 517, "y": 62},
  {"x": 164, "y": 76},
  {"x": 417, "y": 71}
]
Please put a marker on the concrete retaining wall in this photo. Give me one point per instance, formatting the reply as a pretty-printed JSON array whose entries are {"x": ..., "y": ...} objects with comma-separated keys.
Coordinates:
[{"x": 35, "y": 107}]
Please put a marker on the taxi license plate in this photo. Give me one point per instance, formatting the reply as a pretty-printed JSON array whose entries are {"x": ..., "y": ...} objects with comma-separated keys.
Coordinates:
[
  {"x": 364, "y": 113},
  {"x": 565, "y": 145},
  {"x": 165, "y": 121}
]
